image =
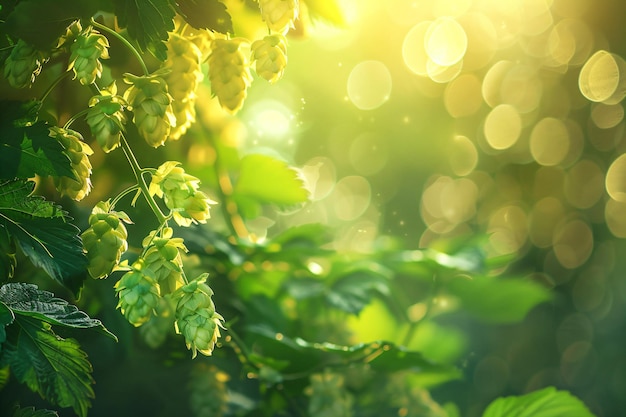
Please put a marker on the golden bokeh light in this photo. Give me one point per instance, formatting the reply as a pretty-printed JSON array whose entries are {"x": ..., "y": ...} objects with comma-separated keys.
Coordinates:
[
  {"x": 616, "y": 179},
  {"x": 583, "y": 184},
  {"x": 462, "y": 97},
  {"x": 549, "y": 141},
  {"x": 573, "y": 243},
  {"x": 602, "y": 78},
  {"x": 606, "y": 116},
  {"x": 414, "y": 49},
  {"x": 369, "y": 85},
  {"x": 462, "y": 156},
  {"x": 503, "y": 126},
  {"x": 445, "y": 42}
]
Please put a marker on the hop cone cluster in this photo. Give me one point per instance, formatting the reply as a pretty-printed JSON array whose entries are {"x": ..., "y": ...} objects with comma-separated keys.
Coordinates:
[
  {"x": 183, "y": 62},
  {"x": 270, "y": 57},
  {"x": 180, "y": 192},
  {"x": 151, "y": 104},
  {"x": 329, "y": 397},
  {"x": 138, "y": 292},
  {"x": 162, "y": 256},
  {"x": 88, "y": 48},
  {"x": 229, "y": 72},
  {"x": 196, "y": 318},
  {"x": 105, "y": 240},
  {"x": 78, "y": 152},
  {"x": 208, "y": 395},
  {"x": 106, "y": 118},
  {"x": 23, "y": 65},
  {"x": 279, "y": 14}
]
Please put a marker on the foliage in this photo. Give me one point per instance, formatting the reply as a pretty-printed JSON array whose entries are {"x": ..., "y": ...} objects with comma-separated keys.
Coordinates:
[{"x": 283, "y": 300}]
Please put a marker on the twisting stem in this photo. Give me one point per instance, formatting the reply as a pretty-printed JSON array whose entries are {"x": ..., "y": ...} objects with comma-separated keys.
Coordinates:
[
  {"x": 53, "y": 85},
  {"x": 74, "y": 118},
  {"x": 434, "y": 288},
  {"x": 141, "y": 182},
  {"x": 123, "y": 194},
  {"x": 125, "y": 41}
]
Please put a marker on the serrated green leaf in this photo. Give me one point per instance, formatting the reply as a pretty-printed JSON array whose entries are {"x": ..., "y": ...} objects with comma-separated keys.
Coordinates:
[
  {"x": 27, "y": 300},
  {"x": 31, "y": 412},
  {"x": 206, "y": 14},
  {"x": 498, "y": 300},
  {"x": 326, "y": 10},
  {"x": 306, "y": 357},
  {"x": 267, "y": 180},
  {"x": 547, "y": 402},
  {"x": 42, "y": 22},
  {"x": 148, "y": 22},
  {"x": 354, "y": 290},
  {"x": 6, "y": 318},
  {"x": 26, "y": 147},
  {"x": 54, "y": 367},
  {"x": 44, "y": 233}
]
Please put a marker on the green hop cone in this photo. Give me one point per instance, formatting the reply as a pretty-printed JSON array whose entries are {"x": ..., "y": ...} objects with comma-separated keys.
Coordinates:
[
  {"x": 329, "y": 397},
  {"x": 162, "y": 256},
  {"x": 180, "y": 192},
  {"x": 185, "y": 73},
  {"x": 106, "y": 118},
  {"x": 208, "y": 393},
  {"x": 138, "y": 293},
  {"x": 279, "y": 14},
  {"x": 154, "y": 331},
  {"x": 151, "y": 104},
  {"x": 86, "y": 51},
  {"x": 23, "y": 65},
  {"x": 104, "y": 241},
  {"x": 196, "y": 318},
  {"x": 78, "y": 152},
  {"x": 229, "y": 72},
  {"x": 270, "y": 57}
]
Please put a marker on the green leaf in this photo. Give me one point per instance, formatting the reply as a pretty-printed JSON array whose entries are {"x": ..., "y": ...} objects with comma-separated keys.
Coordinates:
[
  {"x": 498, "y": 300},
  {"x": 147, "y": 22},
  {"x": 327, "y": 10},
  {"x": 44, "y": 233},
  {"x": 26, "y": 148},
  {"x": 31, "y": 412},
  {"x": 42, "y": 22},
  {"x": 266, "y": 180},
  {"x": 27, "y": 300},
  {"x": 547, "y": 402},
  {"x": 355, "y": 289},
  {"x": 206, "y": 14},
  {"x": 305, "y": 357},
  {"x": 5, "y": 375},
  {"x": 54, "y": 367},
  {"x": 6, "y": 318}
]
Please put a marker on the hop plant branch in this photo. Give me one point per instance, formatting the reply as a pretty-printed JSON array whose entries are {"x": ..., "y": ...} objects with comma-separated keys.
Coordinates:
[{"x": 124, "y": 41}]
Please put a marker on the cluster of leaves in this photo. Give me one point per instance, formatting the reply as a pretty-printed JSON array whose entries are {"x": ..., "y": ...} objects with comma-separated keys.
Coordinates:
[{"x": 286, "y": 299}]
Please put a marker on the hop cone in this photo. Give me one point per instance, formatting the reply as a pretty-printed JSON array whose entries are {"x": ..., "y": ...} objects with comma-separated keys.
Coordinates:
[
  {"x": 106, "y": 118},
  {"x": 270, "y": 57},
  {"x": 196, "y": 318},
  {"x": 105, "y": 240},
  {"x": 329, "y": 397},
  {"x": 229, "y": 72},
  {"x": 23, "y": 65},
  {"x": 151, "y": 105},
  {"x": 78, "y": 152},
  {"x": 86, "y": 51},
  {"x": 183, "y": 62},
  {"x": 279, "y": 14},
  {"x": 155, "y": 330},
  {"x": 138, "y": 292},
  {"x": 180, "y": 193},
  {"x": 208, "y": 395},
  {"x": 162, "y": 256}
]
